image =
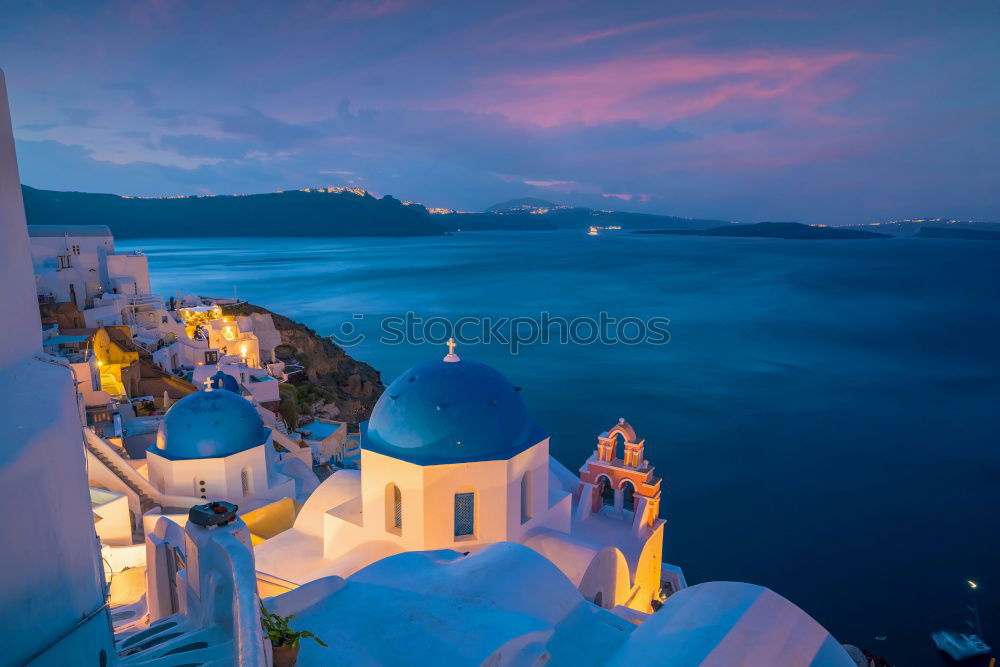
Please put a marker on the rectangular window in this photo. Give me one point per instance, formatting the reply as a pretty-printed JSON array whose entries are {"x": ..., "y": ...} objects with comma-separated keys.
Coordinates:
[
  {"x": 211, "y": 356},
  {"x": 465, "y": 514},
  {"x": 76, "y": 250}
]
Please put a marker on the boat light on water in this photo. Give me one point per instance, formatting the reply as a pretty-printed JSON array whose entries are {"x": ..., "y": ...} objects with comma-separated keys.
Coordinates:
[{"x": 961, "y": 645}]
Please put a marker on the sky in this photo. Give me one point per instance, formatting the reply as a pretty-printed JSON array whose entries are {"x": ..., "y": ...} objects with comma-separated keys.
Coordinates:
[{"x": 822, "y": 112}]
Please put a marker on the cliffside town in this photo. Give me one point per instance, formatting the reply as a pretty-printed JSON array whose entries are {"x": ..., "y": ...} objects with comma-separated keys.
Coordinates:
[{"x": 331, "y": 384}]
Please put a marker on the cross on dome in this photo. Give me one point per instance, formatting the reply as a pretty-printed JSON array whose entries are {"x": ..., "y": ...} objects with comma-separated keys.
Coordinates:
[
  {"x": 451, "y": 356},
  {"x": 208, "y": 384}
]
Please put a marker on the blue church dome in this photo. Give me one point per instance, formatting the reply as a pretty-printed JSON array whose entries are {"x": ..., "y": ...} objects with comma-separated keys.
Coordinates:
[
  {"x": 225, "y": 381},
  {"x": 209, "y": 424},
  {"x": 450, "y": 412}
]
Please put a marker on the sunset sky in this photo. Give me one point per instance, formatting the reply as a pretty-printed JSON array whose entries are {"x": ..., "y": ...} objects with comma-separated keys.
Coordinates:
[{"x": 822, "y": 112}]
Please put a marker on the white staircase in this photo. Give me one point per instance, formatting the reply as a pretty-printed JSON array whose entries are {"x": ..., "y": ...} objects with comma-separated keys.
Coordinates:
[
  {"x": 114, "y": 462},
  {"x": 149, "y": 497}
]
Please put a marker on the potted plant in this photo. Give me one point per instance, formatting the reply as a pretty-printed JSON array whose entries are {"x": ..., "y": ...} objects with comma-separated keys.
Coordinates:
[{"x": 284, "y": 640}]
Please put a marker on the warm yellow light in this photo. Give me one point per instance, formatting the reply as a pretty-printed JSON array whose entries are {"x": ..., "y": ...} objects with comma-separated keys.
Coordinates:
[
  {"x": 100, "y": 363},
  {"x": 973, "y": 584},
  {"x": 243, "y": 350}
]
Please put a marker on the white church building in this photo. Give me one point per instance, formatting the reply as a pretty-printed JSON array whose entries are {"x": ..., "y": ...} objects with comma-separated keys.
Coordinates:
[
  {"x": 213, "y": 444},
  {"x": 452, "y": 459}
]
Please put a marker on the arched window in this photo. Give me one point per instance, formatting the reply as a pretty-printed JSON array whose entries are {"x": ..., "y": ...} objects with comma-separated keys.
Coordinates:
[
  {"x": 465, "y": 514},
  {"x": 629, "y": 496},
  {"x": 526, "y": 497},
  {"x": 247, "y": 480},
  {"x": 393, "y": 509},
  {"x": 607, "y": 492},
  {"x": 618, "y": 441}
]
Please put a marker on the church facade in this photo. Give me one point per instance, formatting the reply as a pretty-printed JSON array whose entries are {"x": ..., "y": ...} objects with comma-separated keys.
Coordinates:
[
  {"x": 452, "y": 459},
  {"x": 214, "y": 445}
]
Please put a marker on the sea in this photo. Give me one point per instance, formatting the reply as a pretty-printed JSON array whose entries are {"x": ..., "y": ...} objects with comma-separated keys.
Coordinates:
[{"x": 824, "y": 415}]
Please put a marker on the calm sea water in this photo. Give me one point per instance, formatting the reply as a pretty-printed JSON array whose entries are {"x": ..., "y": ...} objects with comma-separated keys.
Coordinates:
[{"x": 824, "y": 418}]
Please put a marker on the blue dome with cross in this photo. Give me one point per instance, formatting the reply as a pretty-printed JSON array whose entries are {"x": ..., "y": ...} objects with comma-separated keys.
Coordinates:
[
  {"x": 450, "y": 411},
  {"x": 207, "y": 425},
  {"x": 225, "y": 381}
]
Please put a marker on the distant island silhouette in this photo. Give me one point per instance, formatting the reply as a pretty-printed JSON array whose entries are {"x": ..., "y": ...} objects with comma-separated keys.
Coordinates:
[
  {"x": 316, "y": 212},
  {"x": 349, "y": 211},
  {"x": 294, "y": 213},
  {"x": 774, "y": 230},
  {"x": 531, "y": 213},
  {"x": 521, "y": 204}
]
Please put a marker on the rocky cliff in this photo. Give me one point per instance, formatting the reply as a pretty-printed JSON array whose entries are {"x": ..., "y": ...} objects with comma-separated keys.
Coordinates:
[{"x": 331, "y": 384}]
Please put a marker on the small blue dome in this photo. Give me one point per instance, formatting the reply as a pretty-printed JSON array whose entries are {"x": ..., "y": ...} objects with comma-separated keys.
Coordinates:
[
  {"x": 450, "y": 412},
  {"x": 225, "y": 381},
  {"x": 208, "y": 425}
]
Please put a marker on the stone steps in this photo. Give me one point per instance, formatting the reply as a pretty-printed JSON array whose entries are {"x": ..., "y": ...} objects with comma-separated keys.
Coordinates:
[{"x": 146, "y": 503}]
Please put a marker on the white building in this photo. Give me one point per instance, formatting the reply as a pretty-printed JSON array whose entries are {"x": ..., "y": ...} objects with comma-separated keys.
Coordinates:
[
  {"x": 451, "y": 459},
  {"x": 214, "y": 445},
  {"x": 79, "y": 265},
  {"x": 249, "y": 380},
  {"x": 111, "y": 517},
  {"x": 327, "y": 440},
  {"x": 53, "y": 604}
]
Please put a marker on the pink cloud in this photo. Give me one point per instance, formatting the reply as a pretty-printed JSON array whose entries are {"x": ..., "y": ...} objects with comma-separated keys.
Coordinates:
[
  {"x": 658, "y": 88},
  {"x": 642, "y": 197},
  {"x": 548, "y": 184},
  {"x": 668, "y": 22}
]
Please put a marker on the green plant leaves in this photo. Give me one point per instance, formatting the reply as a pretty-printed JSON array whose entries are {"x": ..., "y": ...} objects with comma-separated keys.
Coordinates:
[{"x": 280, "y": 633}]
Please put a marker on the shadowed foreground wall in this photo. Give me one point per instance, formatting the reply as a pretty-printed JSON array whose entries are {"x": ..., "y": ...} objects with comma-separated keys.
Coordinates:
[{"x": 50, "y": 571}]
